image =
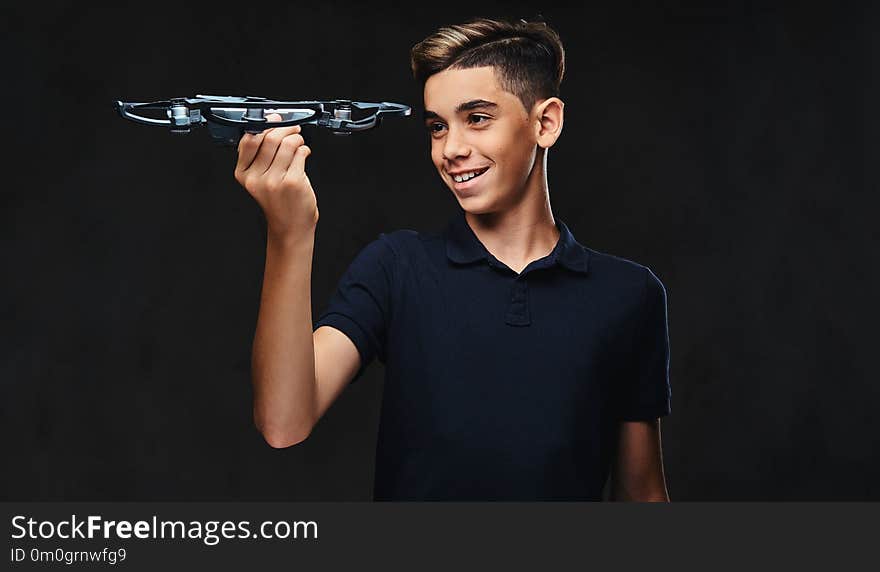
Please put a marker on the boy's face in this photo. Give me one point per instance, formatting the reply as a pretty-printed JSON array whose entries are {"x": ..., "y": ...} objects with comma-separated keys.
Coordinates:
[{"x": 475, "y": 126}]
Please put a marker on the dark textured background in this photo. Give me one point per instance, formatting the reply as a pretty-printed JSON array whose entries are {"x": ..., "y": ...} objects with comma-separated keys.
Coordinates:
[{"x": 730, "y": 148}]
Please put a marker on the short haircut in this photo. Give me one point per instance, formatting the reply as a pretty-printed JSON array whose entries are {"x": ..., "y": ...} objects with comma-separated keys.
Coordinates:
[{"x": 528, "y": 57}]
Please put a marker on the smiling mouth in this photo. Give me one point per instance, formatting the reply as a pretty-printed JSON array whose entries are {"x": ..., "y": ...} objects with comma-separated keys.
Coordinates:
[{"x": 465, "y": 181}]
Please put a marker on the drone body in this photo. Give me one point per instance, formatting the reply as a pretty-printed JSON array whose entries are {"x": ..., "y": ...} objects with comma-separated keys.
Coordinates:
[{"x": 229, "y": 117}]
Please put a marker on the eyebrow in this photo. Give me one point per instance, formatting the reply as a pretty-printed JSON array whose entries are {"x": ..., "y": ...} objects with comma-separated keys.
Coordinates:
[{"x": 466, "y": 106}]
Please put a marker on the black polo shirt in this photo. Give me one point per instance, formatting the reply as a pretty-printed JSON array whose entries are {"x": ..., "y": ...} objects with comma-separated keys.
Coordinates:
[{"x": 498, "y": 385}]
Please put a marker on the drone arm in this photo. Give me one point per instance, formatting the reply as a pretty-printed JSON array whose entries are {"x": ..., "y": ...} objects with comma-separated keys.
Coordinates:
[{"x": 124, "y": 110}]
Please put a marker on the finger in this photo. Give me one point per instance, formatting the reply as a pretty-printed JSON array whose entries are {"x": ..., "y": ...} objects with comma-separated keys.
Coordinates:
[
  {"x": 248, "y": 146},
  {"x": 250, "y": 143},
  {"x": 298, "y": 165},
  {"x": 269, "y": 147},
  {"x": 284, "y": 157},
  {"x": 253, "y": 141}
]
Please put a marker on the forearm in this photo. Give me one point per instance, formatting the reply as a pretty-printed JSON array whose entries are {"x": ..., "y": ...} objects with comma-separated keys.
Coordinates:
[{"x": 283, "y": 365}]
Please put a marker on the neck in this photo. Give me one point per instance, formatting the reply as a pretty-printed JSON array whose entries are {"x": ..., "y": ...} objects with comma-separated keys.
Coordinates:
[{"x": 525, "y": 230}]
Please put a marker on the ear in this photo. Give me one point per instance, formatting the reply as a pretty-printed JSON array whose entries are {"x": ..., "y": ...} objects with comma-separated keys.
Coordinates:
[{"x": 547, "y": 118}]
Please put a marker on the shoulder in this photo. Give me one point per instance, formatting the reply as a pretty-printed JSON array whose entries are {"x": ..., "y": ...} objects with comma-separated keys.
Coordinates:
[
  {"x": 635, "y": 281},
  {"x": 392, "y": 243},
  {"x": 409, "y": 245},
  {"x": 400, "y": 240},
  {"x": 390, "y": 251}
]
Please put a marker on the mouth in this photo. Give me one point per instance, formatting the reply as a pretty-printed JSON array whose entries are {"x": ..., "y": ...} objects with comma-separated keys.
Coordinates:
[{"x": 465, "y": 183}]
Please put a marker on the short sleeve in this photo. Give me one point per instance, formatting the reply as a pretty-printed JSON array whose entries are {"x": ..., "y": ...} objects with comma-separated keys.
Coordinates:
[
  {"x": 647, "y": 392},
  {"x": 361, "y": 305}
]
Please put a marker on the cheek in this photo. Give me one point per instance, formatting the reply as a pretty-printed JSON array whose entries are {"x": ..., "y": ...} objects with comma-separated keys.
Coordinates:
[
  {"x": 515, "y": 161},
  {"x": 523, "y": 155},
  {"x": 513, "y": 149}
]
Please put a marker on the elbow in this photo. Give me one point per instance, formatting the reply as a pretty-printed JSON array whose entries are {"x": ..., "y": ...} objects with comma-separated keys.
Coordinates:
[
  {"x": 282, "y": 429},
  {"x": 282, "y": 437},
  {"x": 284, "y": 440}
]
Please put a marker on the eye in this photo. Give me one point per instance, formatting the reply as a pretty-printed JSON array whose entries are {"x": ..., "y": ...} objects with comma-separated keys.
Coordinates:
[
  {"x": 432, "y": 128},
  {"x": 474, "y": 117}
]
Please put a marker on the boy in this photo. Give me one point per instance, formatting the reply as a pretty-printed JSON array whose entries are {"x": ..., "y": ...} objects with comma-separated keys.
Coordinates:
[{"x": 520, "y": 365}]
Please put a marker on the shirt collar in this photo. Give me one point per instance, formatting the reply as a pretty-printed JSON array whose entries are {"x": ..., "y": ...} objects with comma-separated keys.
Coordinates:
[{"x": 463, "y": 246}]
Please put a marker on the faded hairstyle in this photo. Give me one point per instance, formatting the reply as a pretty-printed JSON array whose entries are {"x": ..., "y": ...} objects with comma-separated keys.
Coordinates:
[{"x": 528, "y": 57}]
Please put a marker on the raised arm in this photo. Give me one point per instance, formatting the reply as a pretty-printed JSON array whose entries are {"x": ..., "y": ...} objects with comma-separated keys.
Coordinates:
[{"x": 297, "y": 373}]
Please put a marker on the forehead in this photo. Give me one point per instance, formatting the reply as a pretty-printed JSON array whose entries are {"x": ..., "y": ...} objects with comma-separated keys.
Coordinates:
[{"x": 446, "y": 89}]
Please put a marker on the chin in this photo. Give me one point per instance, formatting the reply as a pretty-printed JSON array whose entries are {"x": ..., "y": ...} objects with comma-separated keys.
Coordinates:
[{"x": 476, "y": 206}]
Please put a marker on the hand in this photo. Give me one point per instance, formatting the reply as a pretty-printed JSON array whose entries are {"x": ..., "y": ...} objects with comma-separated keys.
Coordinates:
[{"x": 271, "y": 167}]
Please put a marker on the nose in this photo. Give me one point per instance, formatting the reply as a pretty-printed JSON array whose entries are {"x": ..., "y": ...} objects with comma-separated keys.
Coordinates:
[{"x": 454, "y": 145}]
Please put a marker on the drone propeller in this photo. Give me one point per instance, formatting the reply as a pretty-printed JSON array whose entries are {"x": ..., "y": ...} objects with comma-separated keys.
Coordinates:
[{"x": 229, "y": 117}]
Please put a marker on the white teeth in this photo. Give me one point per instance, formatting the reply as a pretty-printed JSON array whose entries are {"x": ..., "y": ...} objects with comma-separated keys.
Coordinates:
[{"x": 465, "y": 177}]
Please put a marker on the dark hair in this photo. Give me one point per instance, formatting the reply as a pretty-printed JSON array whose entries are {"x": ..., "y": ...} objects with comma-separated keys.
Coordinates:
[{"x": 528, "y": 56}]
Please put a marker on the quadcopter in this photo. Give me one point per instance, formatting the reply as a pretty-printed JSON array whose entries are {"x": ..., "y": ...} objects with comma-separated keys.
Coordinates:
[{"x": 229, "y": 117}]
